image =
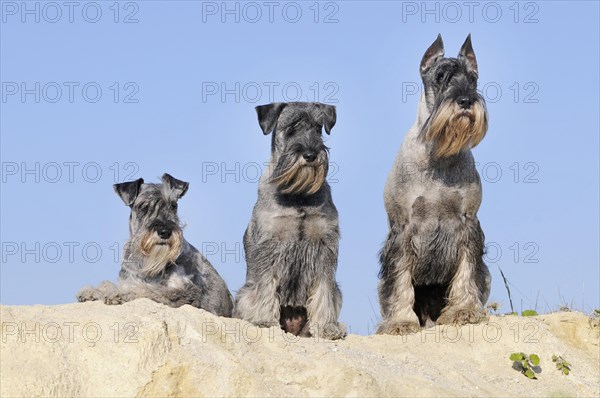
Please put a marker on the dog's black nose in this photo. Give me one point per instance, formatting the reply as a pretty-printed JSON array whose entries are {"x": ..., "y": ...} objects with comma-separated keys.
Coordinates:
[
  {"x": 309, "y": 156},
  {"x": 464, "y": 102},
  {"x": 164, "y": 232}
]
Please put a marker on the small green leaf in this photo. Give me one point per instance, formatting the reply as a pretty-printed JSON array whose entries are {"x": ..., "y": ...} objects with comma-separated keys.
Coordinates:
[
  {"x": 529, "y": 313},
  {"x": 515, "y": 357},
  {"x": 554, "y": 358},
  {"x": 535, "y": 360},
  {"x": 566, "y": 371},
  {"x": 529, "y": 373}
]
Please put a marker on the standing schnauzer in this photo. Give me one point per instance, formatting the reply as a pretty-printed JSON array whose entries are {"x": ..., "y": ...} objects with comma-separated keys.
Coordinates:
[
  {"x": 158, "y": 262},
  {"x": 291, "y": 243},
  {"x": 432, "y": 267}
]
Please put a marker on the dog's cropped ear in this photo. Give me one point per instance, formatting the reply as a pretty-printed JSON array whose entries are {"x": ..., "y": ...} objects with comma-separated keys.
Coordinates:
[
  {"x": 268, "y": 115},
  {"x": 329, "y": 117},
  {"x": 177, "y": 186},
  {"x": 433, "y": 53},
  {"x": 466, "y": 52},
  {"x": 128, "y": 191}
]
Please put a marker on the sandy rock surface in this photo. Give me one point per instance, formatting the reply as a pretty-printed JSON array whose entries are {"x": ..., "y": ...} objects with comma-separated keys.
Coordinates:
[{"x": 147, "y": 349}]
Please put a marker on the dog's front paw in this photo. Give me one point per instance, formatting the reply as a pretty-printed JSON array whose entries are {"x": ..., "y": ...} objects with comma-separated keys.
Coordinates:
[
  {"x": 89, "y": 293},
  {"x": 330, "y": 331},
  {"x": 117, "y": 296},
  {"x": 113, "y": 299},
  {"x": 398, "y": 328},
  {"x": 461, "y": 316}
]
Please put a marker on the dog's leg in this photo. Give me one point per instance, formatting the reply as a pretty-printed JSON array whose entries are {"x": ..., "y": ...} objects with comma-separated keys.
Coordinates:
[
  {"x": 464, "y": 305},
  {"x": 174, "y": 296},
  {"x": 484, "y": 281},
  {"x": 99, "y": 293},
  {"x": 259, "y": 303},
  {"x": 401, "y": 318},
  {"x": 465, "y": 294},
  {"x": 396, "y": 291},
  {"x": 125, "y": 291},
  {"x": 323, "y": 309}
]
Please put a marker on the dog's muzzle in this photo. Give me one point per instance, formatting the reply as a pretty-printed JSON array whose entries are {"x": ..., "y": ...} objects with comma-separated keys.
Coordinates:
[
  {"x": 303, "y": 173},
  {"x": 457, "y": 125},
  {"x": 160, "y": 245}
]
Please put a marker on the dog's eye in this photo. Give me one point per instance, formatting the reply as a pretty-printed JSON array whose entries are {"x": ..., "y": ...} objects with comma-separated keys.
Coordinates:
[
  {"x": 290, "y": 132},
  {"x": 140, "y": 209},
  {"x": 439, "y": 77},
  {"x": 174, "y": 205}
]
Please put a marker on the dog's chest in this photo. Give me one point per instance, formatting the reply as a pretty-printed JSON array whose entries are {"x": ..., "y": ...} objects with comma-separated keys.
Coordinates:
[{"x": 294, "y": 224}]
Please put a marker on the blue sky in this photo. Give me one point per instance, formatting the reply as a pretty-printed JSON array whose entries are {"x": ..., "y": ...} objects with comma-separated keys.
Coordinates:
[{"x": 89, "y": 100}]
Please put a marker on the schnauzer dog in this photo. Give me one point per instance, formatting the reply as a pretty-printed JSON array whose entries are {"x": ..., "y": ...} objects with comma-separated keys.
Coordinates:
[
  {"x": 158, "y": 263},
  {"x": 291, "y": 243},
  {"x": 432, "y": 267}
]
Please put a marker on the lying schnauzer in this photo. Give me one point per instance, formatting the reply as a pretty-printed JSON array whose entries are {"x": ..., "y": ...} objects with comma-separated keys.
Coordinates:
[
  {"x": 291, "y": 243},
  {"x": 158, "y": 262},
  {"x": 432, "y": 267}
]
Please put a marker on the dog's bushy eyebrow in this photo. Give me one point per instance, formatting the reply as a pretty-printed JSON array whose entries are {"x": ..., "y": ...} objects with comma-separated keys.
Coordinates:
[
  {"x": 302, "y": 121},
  {"x": 294, "y": 120},
  {"x": 448, "y": 67}
]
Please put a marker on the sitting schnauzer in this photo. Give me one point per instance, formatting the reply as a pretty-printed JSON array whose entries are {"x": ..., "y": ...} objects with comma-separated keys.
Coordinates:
[
  {"x": 158, "y": 262},
  {"x": 432, "y": 267},
  {"x": 291, "y": 243}
]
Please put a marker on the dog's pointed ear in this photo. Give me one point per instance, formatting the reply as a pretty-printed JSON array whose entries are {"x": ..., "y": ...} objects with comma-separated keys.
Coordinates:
[
  {"x": 466, "y": 52},
  {"x": 128, "y": 191},
  {"x": 329, "y": 117},
  {"x": 177, "y": 186},
  {"x": 268, "y": 115},
  {"x": 433, "y": 53}
]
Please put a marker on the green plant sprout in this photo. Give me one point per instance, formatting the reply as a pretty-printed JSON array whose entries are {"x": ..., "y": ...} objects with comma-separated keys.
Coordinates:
[
  {"x": 529, "y": 313},
  {"x": 561, "y": 364},
  {"x": 526, "y": 363}
]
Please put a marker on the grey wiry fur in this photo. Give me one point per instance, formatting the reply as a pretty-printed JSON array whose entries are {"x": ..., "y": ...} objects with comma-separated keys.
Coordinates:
[
  {"x": 432, "y": 265},
  {"x": 158, "y": 263},
  {"x": 291, "y": 243}
]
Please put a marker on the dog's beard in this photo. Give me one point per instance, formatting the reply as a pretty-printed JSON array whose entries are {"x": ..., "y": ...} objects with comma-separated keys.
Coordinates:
[
  {"x": 453, "y": 129},
  {"x": 293, "y": 175},
  {"x": 157, "y": 253}
]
